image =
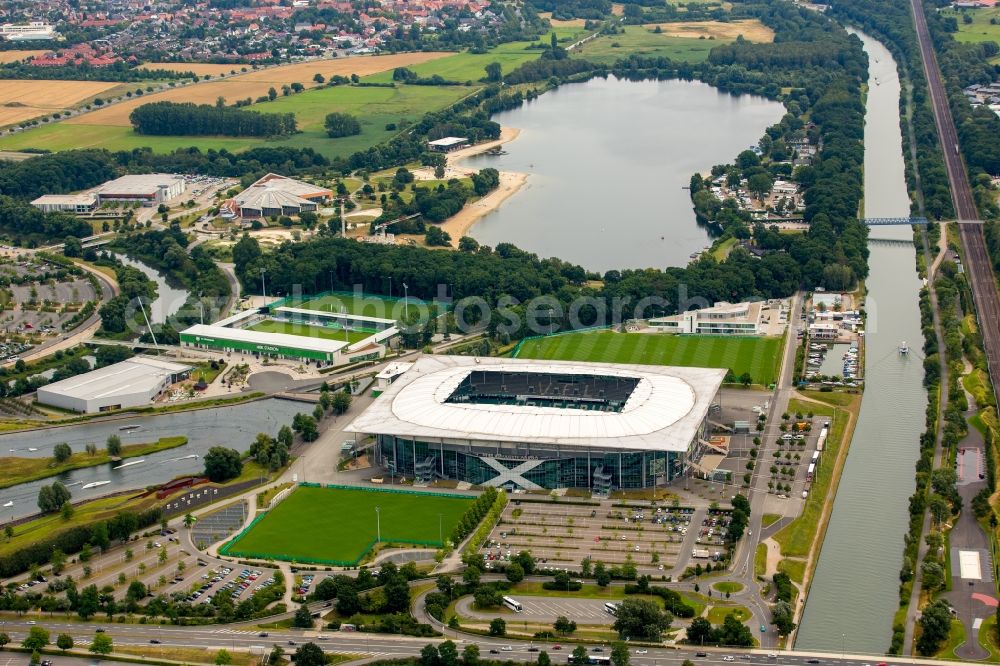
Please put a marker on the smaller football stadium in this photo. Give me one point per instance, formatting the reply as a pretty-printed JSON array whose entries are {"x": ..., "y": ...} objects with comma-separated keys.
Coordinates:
[{"x": 329, "y": 330}]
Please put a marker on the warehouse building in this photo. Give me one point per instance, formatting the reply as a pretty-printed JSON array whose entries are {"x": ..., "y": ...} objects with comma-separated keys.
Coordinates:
[
  {"x": 517, "y": 423},
  {"x": 137, "y": 382},
  {"x": 275, "y": 195},
  {"x": 66, "y": 203},
  {"x": 149, "y": 189}
]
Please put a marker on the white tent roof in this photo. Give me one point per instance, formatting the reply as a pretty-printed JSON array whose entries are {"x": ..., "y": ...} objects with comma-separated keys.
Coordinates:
[{"x": 663, "y": 413}]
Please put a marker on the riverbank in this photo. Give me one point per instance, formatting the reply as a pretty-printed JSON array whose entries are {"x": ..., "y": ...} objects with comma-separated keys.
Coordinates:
[
  {"x": 25, "y": 470},
  {"x": 459, "y": 224}
]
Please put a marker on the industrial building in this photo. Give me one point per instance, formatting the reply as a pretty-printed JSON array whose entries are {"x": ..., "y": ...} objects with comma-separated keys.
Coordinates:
[
  {"x": 448, "y": 144},
  {"x": 16, "y": 32},
  {"x": 721, "y": 319},
  {"x": 277, "y": 195},
  {"x": 136, "y": 382},
  {"x": 66, "y": 203},
  {"x": 149, "y": 189},
  {"x": 517, "y": 423}
]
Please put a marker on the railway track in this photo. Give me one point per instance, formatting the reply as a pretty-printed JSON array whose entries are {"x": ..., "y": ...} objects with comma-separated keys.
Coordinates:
[{"x": 978, "y": 266}]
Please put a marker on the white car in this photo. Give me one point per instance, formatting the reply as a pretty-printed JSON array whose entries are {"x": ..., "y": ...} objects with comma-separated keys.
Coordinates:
[
  {"x": 729, "y": 657},
  {"x": 507, "y": 648},
  {"x": 641, "y": 651}
]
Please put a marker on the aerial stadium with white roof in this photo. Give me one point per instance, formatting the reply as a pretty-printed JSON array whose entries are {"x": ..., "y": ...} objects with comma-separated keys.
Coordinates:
[{"x": 516, "y": 423}]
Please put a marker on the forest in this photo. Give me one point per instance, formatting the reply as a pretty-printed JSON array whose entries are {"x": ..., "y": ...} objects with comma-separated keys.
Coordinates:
[{"x": 187, "y": 119}]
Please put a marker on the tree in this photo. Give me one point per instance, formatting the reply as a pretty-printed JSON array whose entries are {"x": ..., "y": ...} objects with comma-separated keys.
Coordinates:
[
  {"x": 397, "y": 595},
  {"x": 340, "y": 402},
  {"x": 309, "y": 654},
  {"x": 935, "y": 624},
  {"x": 37, "y": 638},
  {"x": 429, "y": 656},
  {"x": 579, "y": 656},
  {"x": 543, "y": 659},
  {"x": 448, "y": 652},
  {"x": 4, "y": 639},
  {"x": 470, "y": 654},
  {"x": 303, "y": 618},
  {"x": 189, "y": 520},
  {"x": 88, "y": 602},
  {"x": 114, "y": 446},
  {"x": 494, "y": 72},
  {"x": 341, "y": 124},
  {"x": 527, "y": 562},
  {"x": 437, "y": 237},
  {"x": 760, "y": 184},
  {"x": 102, "y": 644},
  {"x": 700, "y": 631},
  {"x": 347, "y": 601},
  {"x": 62, "y": 452},
  {"x": 498, "y": 627},
  {"x": 564, "y": 625},
  {"x": 641, "y": 619},
  {"x": 781, "y": 617},
  {"x": 66, "y": 511},
  {"x": 51, "y": 498},
  {"x": 8, "y": 531},
  {"x": 515, "y": 572},
  {"x": 326, "y": 589},
  {"x": 222, "y": 464},
  {"x": 223, "y": 658},
  {"x": 619, "y": 654},
  {"x": 64, "y": 642},
  {"x": 601, "y": 574}
]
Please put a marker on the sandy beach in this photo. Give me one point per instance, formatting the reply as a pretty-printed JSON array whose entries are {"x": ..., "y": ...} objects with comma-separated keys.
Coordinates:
[{"x": 458, "y": 225}]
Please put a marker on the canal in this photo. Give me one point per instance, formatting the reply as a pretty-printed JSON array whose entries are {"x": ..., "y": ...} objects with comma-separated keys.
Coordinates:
[
  {"x": 235, "y": 427},
  {"x": 170, "y": 296},
  {"x": 609, "y": 163},
  {"x": 854, "y": 593}
]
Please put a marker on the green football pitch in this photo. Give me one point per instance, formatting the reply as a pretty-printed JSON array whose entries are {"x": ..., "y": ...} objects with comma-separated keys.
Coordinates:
[
  {"x": 332, "y": 525},
  {"x": 757, "y": 356},
  {"x": 364, "y": 305},
  {"x": 307, "y": 331}
]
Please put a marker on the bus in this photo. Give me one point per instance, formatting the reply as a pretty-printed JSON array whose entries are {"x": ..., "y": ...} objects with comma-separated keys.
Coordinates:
[
  {"x": 815, "y": 457},
  {"x": 592, "y": 660},
  {"x": 811, "y": 472},
  {"x": 512, "y": 604},
  {"x": 822, "y": 438},
  {"x": 610, "y": 608}
]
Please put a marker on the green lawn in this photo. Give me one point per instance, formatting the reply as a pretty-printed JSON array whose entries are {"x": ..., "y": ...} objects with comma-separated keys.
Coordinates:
[
  {"x": 307, "y": 331},
  {"x": 367, "y": 305},
  {"x": 337, "y": 524},
  {"x": 728, "y": 586},
  {"x": 640, "y": 40},
  {"x": 717, "y": 614},
  {"x": 980, "y": 30},
  {"x": 757, "y": 356}
]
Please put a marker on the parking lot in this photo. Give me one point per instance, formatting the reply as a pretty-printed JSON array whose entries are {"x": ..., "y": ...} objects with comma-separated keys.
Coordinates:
[
  {"x": 545, "y": 609},
  {"x": 612, "y": 532}
]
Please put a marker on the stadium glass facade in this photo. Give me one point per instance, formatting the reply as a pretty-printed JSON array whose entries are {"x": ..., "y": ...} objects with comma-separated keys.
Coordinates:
[{"x": 521, "y": 466}]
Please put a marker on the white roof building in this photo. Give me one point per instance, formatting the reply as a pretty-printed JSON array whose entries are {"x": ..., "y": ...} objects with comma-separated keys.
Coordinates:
[
  {"x": 135, "y": 382},
  {"x": 148, "y": 188},
  {"x": 664, "y": 411},
  {"x": 277, "y": 195},
  {"x": 71, "y": 203}
]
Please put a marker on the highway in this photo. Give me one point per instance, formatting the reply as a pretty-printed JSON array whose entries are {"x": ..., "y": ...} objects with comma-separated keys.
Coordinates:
[{"x": 978, "y": 266}]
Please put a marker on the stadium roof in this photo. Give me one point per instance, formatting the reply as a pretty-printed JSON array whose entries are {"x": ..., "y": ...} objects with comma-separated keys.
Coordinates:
[
  {"x": 137, "y": 374},
  {"x": 292, "y": 186},
  {"x": 263, "y": 338},
  {"x": 662, "y": 413},
  {"x": 264, "y": 197}
]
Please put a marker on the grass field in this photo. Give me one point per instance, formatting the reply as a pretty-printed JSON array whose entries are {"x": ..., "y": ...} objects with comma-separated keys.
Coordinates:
[
  {"x": 337, "y": 524},
  {"x": 307, "y": 331},
  {"x": 980, "y": 30},
  {"x": 757, "y": 356},
  {"x": 641, "y": 40},
  {"x": 366, "y": 305}
]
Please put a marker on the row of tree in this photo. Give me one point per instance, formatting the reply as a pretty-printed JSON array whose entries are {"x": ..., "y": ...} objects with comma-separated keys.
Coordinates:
[{"x": 188, "y": 119}]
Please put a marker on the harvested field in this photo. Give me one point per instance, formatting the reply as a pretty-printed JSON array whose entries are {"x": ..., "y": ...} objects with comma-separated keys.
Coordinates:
[
  {"x": 199, "y": 68},
  {"x": 556, "y": 23},
  {"x": 751, "y": 29},
  {"x": 28, "y": 99},
  {"x": 255, "y": 84},
  {"x": 17, "y": 56}
]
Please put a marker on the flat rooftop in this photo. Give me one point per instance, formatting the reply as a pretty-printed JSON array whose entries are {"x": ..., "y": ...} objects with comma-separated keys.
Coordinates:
[
  {"x": 448, "y": 141},
  {"x": 261, "y": 338},
  {"x": 140, "y": 373},
  {"x": 66, "y": 199},
  {"x": 662, "y": 411},
  {"x": 146, "y": 183}
]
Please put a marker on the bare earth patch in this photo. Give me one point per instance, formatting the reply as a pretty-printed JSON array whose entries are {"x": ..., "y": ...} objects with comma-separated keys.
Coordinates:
[
  {"x": 557, "y": 23},
  {"x": 751, "y": 29},
  {"x": 254, "y": 84}
]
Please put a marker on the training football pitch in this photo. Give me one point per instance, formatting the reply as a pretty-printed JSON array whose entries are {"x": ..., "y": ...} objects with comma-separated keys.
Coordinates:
[
  {"x": 756, "y": 356},
  {"x": 333, "y": 525},
  {"x": 307, "y": 331},
  {"x": 365, "y": 305}
]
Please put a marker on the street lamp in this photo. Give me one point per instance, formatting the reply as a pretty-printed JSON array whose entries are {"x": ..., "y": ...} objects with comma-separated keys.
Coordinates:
[
  {"x": 440, "y": 531},
  {"x": 406, "y": 303},
  {"x": 378, "y": 525}
]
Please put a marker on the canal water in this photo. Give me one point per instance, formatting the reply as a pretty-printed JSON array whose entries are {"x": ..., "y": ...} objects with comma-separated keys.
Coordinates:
[
  {"x": 609, "y": 163},
  {"x": 855, "y": 590},
  {"x": 170, "y": 297},
  {"x": 235, "y": 427}
]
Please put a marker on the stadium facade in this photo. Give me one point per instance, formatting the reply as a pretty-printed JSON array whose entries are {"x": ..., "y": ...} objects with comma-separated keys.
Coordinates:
[{"x": 517, "y": 423}]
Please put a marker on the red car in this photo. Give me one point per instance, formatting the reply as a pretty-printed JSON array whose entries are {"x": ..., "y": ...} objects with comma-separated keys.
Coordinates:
[{"x": 557, "y": 647}]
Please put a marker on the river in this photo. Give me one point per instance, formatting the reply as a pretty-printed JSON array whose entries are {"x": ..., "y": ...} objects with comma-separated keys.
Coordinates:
[
  {"x": 855, "y": 590},
  {"x": 609, "y": 163},
  {"x": 235, "y": 426},
  {"x": 169, "y": 296}
]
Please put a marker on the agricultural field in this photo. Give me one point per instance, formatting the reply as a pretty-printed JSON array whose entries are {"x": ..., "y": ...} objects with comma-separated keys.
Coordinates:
[
  {"x": 757, "y": 356},
  {"x": 18, "y": 56},
  {"x": 23, "y": 99},
  {"x": 689, "y": 42},
  {"x": 307, "y": 331},
  {"x": 339, "y": 524}
]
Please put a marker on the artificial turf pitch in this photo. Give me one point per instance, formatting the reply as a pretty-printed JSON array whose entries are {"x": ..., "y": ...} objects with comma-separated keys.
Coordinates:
[
  {"x": 307, "y": 331},
  {"x": 755, "y": 355},
  {"x": 339, "y": 525}
]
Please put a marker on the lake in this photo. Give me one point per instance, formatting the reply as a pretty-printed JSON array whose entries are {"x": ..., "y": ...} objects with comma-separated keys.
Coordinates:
[{"x": 609, "y": 163}]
